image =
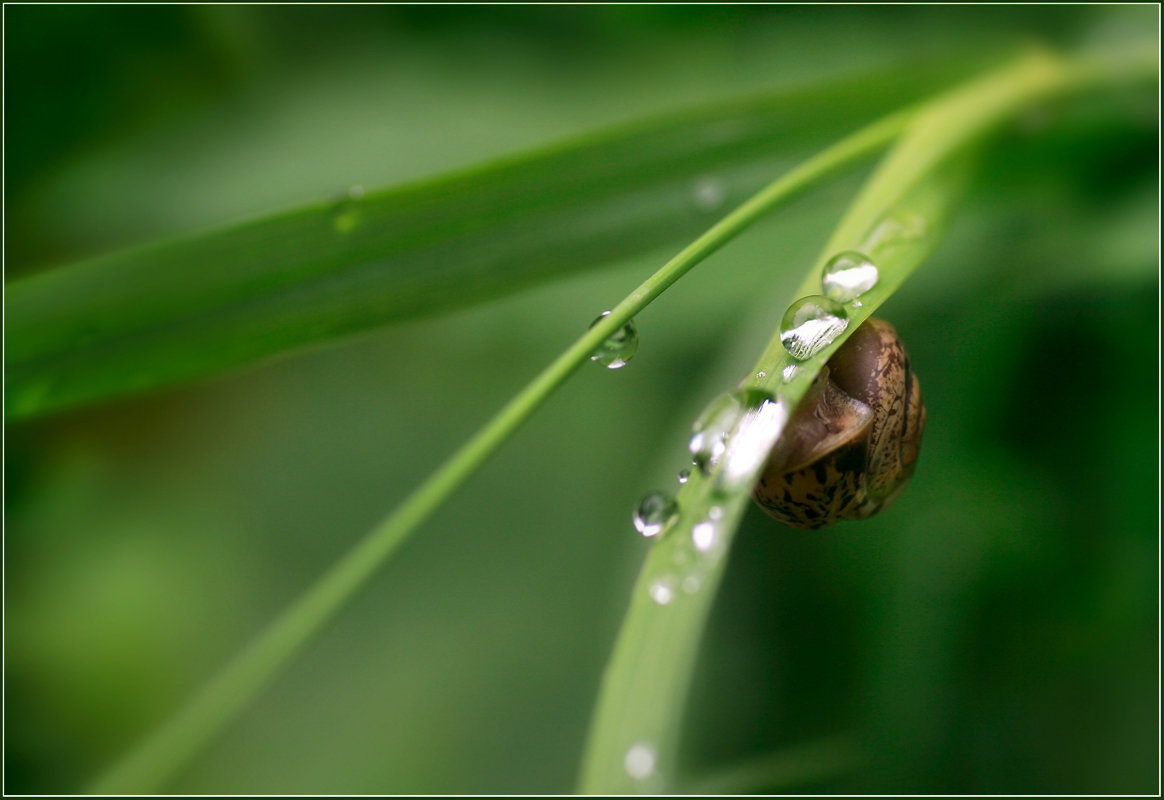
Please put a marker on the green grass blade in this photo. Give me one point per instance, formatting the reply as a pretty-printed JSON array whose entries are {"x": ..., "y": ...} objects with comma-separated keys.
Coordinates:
[
  {"x": 172, "y": 745},
  {"x": 781, "y": 771},
  {"x": 155, "y": 315},
  {"x": 634, "y": 736}
]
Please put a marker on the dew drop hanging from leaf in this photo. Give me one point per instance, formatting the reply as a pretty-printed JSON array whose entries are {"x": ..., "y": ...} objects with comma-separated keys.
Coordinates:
[{"x": 619, "y": 347}]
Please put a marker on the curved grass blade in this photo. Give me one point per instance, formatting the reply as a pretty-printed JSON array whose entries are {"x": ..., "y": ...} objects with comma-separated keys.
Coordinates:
[
  {"x": 176, "y": 741},
  {"x": 634, "y": 736},
  {"x": 168, "y": 312},
  {"x": 782, "y": 770}
]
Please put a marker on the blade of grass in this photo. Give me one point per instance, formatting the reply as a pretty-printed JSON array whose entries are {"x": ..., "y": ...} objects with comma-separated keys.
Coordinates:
[
  {"x": 634, "y": 735},
  {"x": 783, "y": 770},
  {"x": 163, "y": 313},
  {"x": 168, "y": 748}
]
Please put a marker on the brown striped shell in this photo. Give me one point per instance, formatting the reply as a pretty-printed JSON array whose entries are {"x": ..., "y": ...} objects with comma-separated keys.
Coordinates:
[{"x": 851, "y": 445}]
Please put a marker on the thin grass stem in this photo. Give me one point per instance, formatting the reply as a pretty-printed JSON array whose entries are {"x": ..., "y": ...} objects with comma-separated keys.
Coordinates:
[{"x": 172, "y": 745}]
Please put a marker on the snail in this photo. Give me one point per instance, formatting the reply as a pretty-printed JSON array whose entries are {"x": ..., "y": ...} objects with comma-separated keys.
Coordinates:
[{"x": 851, "y": 445}]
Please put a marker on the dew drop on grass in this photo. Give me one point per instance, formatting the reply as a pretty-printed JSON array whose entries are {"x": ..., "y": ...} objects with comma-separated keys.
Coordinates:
[
  {"x": 847, "y": 276},
  {"x": 789, "y": 373},
  {"x": 722, "y": 419},
  {"x": 704, "y": 535},
  {"x": 711, "y": 430},
  {"x": 708, "y": 194},
  {"x": 619, "y": 347},
  {"x": 655, "y": 512},
  {"x": 346, "y": 212},
  {"x": 662, "y": 591},
  {"x": 810, "y": 325},
  {"x": 900, "y": 227},
  {"x": 684, "y": 474},
  {"x": 639, "y": 761},
  {"x": 761, "y": 421}
]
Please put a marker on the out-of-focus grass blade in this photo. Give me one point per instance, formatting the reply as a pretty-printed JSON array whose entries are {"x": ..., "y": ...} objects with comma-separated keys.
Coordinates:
[{"x": 163, "y": 313}]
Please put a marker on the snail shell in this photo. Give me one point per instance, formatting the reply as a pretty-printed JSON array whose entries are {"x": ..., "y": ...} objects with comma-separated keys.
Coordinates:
[{"x": 852, "y": 443}]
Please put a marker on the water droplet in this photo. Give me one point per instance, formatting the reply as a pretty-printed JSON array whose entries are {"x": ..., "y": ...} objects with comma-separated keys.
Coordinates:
[
  {"x": 847, "y": 276},
  {"x": 711, "y": 431},
  {"x": 810, "y": 325},
  {"x": 757, "y": 430},
  {"x": 703, "y": 535},
  {"x": 639, "y": 761},
  {"x": 719, "y": 422},
  {"x": 662, "y": 591},
  {"x": 789, "y": 373},
  {"x": 708, "y": 193},
  {"x": 690, "y": 584},
  {"x": 684, "y": 474},
  {"x": 346, "y": 211},
  {"x": 898, "y": 228},
  {"x": 761, "y": 375},
  {"x": 619, "y": 347},
  {"x": 715, "y": 513},
  {"x": 655, "y": 512}
]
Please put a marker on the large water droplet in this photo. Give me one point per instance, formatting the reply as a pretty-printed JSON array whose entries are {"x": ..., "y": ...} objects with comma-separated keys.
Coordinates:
[
  {"x": 619, "y": 347},
  {"x": 655, "y": 512},
  {"x": 346, "y": 212},
  {"x": 810, "y": 325},
  {"x": 847, "y": 276},
  {"x": 718, "y": 423},
  {"x": 760, "y": 424},
  {"x": 639, "y": 761}
]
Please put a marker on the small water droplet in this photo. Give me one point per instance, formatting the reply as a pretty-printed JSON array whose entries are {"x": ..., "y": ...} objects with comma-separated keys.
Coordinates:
[
  {"x": 655, "y": 512},
  {"x": 810, "y": 325},
  {"x": 703, "y": 535},
  {"x": 715, "y": 513},
  {"x": 346, "y": 211},
  {"x": 662, "y": 591},
  {"x": 900, "y": 227},
  {"x": 789, "y": 373},
  {"x": 847, "y": 276},
  {"x": 639, "y": 761},
  {"x": 690, "y": 584},
  {"x": 708, "y": 193},
  {"x": 619, "y": 347},
  {"x": 684, "y": 474},
  {"x": 711, "y": 431},
  {"x": 761, "y": 375}
]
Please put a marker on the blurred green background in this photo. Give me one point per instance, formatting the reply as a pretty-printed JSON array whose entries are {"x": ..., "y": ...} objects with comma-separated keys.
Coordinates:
[{"x": 996, "y": 631}]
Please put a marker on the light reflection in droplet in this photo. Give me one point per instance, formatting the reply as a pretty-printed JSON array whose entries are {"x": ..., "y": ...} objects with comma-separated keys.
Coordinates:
[
  {"x": 662, "y": 591},
  {"x": 703, "y": 535},
  {"x": 639, "y": 761}
]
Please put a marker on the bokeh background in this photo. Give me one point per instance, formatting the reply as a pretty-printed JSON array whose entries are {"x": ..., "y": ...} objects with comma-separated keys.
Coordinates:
[{"x": 996, "y": 631}]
